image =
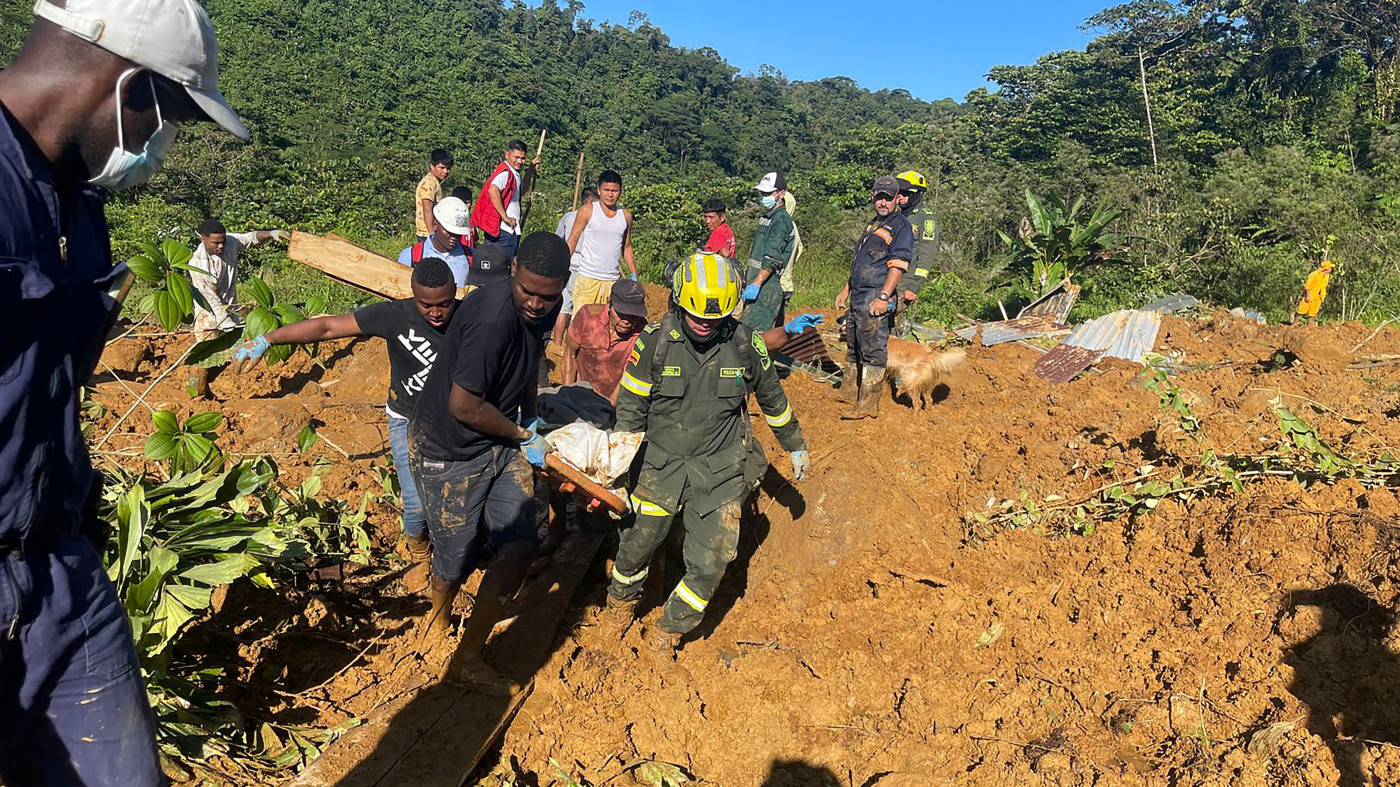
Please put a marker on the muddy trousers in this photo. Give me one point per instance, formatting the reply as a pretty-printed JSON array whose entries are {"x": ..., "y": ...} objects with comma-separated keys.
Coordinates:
[
  {"x": 484, "y": 502},
  {"x": 73, "y": 707},
  {"x": 711, "y": 543}
]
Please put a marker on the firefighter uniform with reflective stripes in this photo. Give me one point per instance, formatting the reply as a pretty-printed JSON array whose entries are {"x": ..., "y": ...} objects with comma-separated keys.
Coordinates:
[
  {"x": 925, "y": 228},
  {"x": 691, "y": 400},
  {"x": 887, "y": 243}
]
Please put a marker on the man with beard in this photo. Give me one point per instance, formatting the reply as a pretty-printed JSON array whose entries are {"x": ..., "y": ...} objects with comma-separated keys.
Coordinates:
[
  {"x": 881, "y": 258},
  {"x": 470, "y": 454}
]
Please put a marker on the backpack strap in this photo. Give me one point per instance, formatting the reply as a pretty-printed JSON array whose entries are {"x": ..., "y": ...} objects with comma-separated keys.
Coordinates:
[
  {"x": 663, "y": 343},
  {"x": 416, "y": 254}
]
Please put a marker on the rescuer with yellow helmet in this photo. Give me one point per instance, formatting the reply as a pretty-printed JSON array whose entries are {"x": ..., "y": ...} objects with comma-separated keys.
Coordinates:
[
  {"x": 686, "y": 386},
  {"x": 912, "y": 186}
]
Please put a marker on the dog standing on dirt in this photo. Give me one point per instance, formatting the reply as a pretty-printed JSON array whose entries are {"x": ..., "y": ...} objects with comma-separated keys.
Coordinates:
[{"x": 919, "y": 367}]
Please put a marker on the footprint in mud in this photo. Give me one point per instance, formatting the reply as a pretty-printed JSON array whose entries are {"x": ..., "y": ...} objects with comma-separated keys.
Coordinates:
[{"x": 1345, "y": 672}]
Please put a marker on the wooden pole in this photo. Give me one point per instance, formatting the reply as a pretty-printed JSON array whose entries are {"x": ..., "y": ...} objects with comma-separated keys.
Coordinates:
[
  {"x": 578, "y": 180},
  {"x": 529, "y": 185}
]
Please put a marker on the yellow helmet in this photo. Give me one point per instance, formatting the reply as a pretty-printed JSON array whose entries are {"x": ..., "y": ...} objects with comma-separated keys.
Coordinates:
[
  {"x": 912, "y": 181},
  {"x": 707, "y": 285}
]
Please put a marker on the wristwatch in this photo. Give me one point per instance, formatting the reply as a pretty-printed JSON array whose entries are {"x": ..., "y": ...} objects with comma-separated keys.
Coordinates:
[{"x": 884, "y": 296}]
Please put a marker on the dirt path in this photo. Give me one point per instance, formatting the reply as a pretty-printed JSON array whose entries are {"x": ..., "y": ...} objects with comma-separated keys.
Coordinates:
[{"x": 860, "y": 640}]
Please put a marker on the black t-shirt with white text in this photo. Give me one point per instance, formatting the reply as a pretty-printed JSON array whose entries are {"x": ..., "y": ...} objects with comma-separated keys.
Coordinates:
[
  {"x": 490, "y": 351},
  {"x": 414, "y": 345}
]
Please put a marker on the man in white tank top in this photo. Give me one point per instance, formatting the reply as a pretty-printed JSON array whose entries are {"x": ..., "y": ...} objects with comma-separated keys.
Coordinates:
[{"x": 601, "y": 236}]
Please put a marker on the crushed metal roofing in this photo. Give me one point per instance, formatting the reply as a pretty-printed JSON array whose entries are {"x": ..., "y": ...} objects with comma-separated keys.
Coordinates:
[
  {"x": 806, "y": 347},
  {"x": 1062, "y": 363},
  {"x": 1169, "y": 304},
  {"x": 1020, "y": 328},
  {"x": 1129, "y": 334},
  {"x": 1057, "y": 303}
]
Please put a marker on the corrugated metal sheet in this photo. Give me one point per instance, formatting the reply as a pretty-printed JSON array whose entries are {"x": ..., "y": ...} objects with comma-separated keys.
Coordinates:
[
  {"x": 1061, "y": 364},
  {"x": 806, "y": 347},
  {"x": 1057, "y": 303},
  {"x": 1020, "y": 328},
  {"x": 1129, "y": 334},
  {"x": 1170, "y": 304},
  {"x": 968, "y": 332}
]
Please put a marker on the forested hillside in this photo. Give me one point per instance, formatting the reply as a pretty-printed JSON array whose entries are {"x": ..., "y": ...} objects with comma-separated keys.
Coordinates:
[{"x": 1272, "y": 128}]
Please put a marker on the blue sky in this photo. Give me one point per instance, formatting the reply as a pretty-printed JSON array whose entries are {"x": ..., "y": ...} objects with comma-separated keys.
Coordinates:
[{"x": 959, "y": 41}]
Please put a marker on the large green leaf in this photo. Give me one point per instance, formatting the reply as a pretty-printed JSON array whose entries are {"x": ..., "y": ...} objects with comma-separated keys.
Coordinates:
[
  {"x": 168, "y": 311},
  {"x": 161, "y": 446},
  {"x": 195, "y": 598},
  {"x": 222, "y": 571},
  {"x": 175, "y": 252},
  {"x": 159, "y": 563},
  {"x": 166, "y": 422},
  {"x": 169, "y": 616},
  {"x": 260, "y": 321},
  {"x": 179, "y": 288},
  {"x": 208, "y": 348},
  {"x": 144, "y": 268},
  {"x": 132, "y": 517},
  {"x": 262, "y": 295},
  {"x": 204, "y": 422}
]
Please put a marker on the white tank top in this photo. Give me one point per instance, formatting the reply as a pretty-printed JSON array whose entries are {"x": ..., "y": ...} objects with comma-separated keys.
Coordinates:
[{"x": 600, "y": 246}]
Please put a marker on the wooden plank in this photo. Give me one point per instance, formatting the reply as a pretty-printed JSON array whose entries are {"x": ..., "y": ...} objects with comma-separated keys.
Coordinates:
[
  {"x": 436, "y": 737},
  {"x": 349, "y": 264}
]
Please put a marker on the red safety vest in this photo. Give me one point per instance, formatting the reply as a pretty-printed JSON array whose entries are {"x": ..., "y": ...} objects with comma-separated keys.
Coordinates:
[{"x": 484, "y": 215}]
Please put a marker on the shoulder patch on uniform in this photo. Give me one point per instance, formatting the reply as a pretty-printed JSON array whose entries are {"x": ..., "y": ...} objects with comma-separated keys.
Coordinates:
[
  {"x": 650, "y": 329},
  {"x": 675, "y": 334},
  {"x": 930, "y": 228},
  {"x": 756, "y": 339}
]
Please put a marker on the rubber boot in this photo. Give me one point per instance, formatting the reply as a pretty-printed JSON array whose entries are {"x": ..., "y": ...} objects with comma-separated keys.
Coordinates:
[
  {"x": 871, "y": 392},
  {"x": 850, "y": 384},
  {"x": 438, "y": 622},
  {"x": 420, "y": 552}
]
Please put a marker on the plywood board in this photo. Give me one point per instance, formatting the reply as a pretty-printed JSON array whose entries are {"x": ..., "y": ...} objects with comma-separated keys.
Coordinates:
[{"x": 349, "y": 264}]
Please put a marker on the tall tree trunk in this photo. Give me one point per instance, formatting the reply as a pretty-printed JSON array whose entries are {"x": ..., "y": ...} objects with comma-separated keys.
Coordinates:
[{"x": 1147, "y": 104}]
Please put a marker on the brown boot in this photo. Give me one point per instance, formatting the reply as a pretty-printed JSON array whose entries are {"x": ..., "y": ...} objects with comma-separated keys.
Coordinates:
[
  {"x": 438, "y": 622},
  {"x": 420, "y": 552},
  {"x": 850, "y": 384},
  {"x": 871, "y": 392}
]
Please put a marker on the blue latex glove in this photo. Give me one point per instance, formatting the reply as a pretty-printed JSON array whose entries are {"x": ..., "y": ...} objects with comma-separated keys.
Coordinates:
[
  {"x": 802, "y": 322},
  {"x": 535, "y": 448},
  {"x": 634, "y": 275},
  {"x": 751, "y": 293},
  {"x": 801, "y": 464},
  {"x": 252, "y": 349}
]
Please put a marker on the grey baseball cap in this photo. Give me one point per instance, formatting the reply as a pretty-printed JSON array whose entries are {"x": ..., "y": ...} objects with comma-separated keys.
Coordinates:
[
  {"x": 885, "y": 184},
  {"x": 173, "y": 38}
]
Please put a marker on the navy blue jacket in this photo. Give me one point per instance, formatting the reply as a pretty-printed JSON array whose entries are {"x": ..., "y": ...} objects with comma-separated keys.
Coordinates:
[
  {"x": 55, "y": 273},
  {"x": 887, "y": 243}
]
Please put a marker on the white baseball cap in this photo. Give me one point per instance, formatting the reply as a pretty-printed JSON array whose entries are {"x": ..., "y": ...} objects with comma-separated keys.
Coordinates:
[
  {"x": 773, "y": 181},
  {"x": 173, "y": 38},
  {"x": 453, "y": 215}
]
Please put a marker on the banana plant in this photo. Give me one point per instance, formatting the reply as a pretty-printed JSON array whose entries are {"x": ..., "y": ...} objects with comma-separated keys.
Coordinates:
[
  {"x": 1056, "y": 241},
  {"x": 164, "y": 266}
]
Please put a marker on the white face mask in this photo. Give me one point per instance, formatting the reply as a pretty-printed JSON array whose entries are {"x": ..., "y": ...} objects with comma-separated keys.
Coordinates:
[
  {"x": 768, "y": 200},
  {"x": 126, "y": 169}
]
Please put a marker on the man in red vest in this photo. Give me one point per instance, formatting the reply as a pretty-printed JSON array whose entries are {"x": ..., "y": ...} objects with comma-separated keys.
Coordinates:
[{"x": 497, "y": 213}]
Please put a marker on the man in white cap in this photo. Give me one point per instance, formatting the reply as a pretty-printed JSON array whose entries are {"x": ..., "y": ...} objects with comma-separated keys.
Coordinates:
[
  {"x": 769, "y": 257},
  {"x": 90, "y": 103},
  {"x": 451, "y": 222}
]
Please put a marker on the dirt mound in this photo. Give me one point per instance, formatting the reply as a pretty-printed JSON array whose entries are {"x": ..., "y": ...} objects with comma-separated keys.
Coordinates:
[{"x": 860, "y": 639}]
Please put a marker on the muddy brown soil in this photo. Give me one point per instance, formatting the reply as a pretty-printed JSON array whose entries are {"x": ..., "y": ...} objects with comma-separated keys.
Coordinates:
[{"x": 862, "y": 638}]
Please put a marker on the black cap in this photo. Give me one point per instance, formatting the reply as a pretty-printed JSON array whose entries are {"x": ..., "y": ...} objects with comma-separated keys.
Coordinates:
[
  {"x": 490, "y": 263},
  {"x": 885, "y": 184},
  {"x": 628, "y": 298}
]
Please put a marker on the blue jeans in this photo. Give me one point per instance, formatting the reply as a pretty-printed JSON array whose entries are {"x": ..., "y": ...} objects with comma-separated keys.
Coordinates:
[
  {"x": 486, "y": 500},
  {"x": 415, "y": 524},
  {"x": 73, "y": 707}
]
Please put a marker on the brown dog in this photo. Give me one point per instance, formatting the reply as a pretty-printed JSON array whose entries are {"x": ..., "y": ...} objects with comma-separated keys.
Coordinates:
[{"x": 919, "y": 368}]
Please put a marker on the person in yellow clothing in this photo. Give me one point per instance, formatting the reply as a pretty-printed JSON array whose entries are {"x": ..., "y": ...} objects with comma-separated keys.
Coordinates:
[{"x": 1314, "y": 291}]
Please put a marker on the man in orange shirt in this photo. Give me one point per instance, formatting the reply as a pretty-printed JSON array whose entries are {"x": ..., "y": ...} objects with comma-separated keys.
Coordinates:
[{"x": 601, "y": 336}]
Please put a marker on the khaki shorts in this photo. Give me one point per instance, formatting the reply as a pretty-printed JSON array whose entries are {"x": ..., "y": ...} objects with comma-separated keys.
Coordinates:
[{"x": 589, "y": 290}]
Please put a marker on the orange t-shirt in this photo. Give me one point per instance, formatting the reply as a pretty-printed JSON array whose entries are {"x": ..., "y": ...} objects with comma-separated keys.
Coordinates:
[{"x": 602, "y": 354}]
